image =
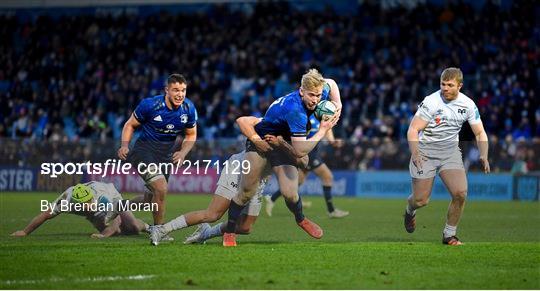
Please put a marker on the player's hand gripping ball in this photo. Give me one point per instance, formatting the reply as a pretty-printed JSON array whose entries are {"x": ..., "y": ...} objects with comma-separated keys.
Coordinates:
[{"x": 325, "y": 108}]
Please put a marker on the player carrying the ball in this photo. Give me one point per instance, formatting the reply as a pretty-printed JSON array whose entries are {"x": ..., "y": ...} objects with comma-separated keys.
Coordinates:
[
  {"x": 95, "y": 201},
  {"x": 286, "y": 117},
  {"x": 435, "y": 150},
  {"x": 227, "y": 187}
]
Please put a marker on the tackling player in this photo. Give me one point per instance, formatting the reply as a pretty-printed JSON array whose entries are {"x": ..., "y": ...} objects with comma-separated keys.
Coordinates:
[
  {"x": 286, "y": 117},
  {"x": 162, "y": 119},
  {"x": 89, "y": 196},
  {"x": 435, "y": 151}
]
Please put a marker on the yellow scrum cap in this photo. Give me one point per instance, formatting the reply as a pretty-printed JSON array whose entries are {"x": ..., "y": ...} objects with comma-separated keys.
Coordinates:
[{"x": 81, "y": 193}]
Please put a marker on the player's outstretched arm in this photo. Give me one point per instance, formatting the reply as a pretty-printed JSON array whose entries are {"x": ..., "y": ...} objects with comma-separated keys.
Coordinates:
[
  {"x": 187, "y": 145},
  {"x": 34, "y": 224},
  {"x": 247, "y": 127},
  {"x": 417, "y": 125},
  {"x": 127, "y": 134},
  {"x": 482, "y": 143}
]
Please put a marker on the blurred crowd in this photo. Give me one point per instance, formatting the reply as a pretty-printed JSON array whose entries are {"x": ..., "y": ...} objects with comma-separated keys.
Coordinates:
[{"x": 78, "y": 78}]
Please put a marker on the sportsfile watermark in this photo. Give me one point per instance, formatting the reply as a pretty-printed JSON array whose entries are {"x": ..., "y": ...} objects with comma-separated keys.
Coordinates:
[{"x": 119, "y": 167}]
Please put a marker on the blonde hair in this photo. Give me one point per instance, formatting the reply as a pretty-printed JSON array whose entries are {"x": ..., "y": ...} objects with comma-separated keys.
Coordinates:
[
  {"x": 312, "y": 79},
  {"x": 452, "y": 74}
]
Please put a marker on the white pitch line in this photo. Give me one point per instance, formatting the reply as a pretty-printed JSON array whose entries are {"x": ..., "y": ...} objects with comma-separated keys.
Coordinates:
[{"x": 94, "y": 279}]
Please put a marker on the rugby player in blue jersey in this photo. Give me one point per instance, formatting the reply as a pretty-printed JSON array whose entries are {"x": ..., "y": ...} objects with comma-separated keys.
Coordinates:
[
  {"x": 162, "y": 119},
  {"x": 287, "y": 117}
]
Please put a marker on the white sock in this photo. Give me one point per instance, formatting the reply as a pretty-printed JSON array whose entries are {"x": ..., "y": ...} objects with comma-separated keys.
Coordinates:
[
  {"x": 449, "y": 230},
  {"x": 410, "y": 210},
  {"x": 212, "y": 232},
  {"x": 175, "y": 224}
]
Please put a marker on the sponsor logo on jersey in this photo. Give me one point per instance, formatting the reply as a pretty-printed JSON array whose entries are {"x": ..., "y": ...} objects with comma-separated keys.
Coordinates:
[
  {"x": 158, "y": 118},
  {"x": 170, "y": 126},
  {"x": 462, "y": 111}
]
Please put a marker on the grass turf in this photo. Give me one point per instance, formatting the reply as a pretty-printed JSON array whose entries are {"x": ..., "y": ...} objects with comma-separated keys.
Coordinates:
[{"x": 368, "y": 249}]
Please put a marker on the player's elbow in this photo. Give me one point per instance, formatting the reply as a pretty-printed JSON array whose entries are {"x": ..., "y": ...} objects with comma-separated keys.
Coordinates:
[
  {"x": 241, "y": 121},
  {"x": 412, "y": 133}
]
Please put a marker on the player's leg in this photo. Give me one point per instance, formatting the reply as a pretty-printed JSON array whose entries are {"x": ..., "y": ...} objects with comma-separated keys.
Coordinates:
[
  {"x": 421, "y": 192},
  {"x": 217, "y": 207},
  {"x": 158, "y": 187},
  {"x": 327, "y": 179},
  {"x": 243, "y": 226},
  {"x": 270, "y": 201},
  {"x": 287, "y": 176},
  {"x": 456, "y": 183},
  {"x": 422, "y": 184},
  {"x": 249, "y": 184},
  {"x": 250, "y": 213}
]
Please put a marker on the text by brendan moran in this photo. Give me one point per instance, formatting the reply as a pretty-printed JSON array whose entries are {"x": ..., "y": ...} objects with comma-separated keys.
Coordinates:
[{"x": 123, "y": 205}]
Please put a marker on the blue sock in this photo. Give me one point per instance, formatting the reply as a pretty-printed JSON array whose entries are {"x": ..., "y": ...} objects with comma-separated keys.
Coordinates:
[
  {"x": 327, "y": 190},
  {"x": 275, "y": 196},
  {"x": 296, "y": 209},
  {"x": 234, "y": 212}
]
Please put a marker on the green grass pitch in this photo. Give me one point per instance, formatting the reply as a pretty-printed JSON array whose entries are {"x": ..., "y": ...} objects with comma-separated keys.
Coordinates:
[{"x": 369, "y": 249}]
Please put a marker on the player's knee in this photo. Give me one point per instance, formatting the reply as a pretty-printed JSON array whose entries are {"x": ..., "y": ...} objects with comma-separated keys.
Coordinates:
[
  {"x": 290, "y": 196},
  {"x": 460, "y": 195},
  {"x": 160, "y": 191},
  {"x": 328, "y": 179},
  {"x": 420, "y": 202}
]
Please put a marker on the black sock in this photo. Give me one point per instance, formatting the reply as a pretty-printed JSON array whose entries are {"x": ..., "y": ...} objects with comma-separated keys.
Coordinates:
[
  {"x": 234, "y": 212},
  {"x": 327, "y": 190},
  {"x": 296, "y": 209},
  {"x": 275, "y": 196}
]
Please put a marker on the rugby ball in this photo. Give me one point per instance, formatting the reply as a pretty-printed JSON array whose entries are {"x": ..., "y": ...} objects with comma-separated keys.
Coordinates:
[{"x": 324, "y": 107}]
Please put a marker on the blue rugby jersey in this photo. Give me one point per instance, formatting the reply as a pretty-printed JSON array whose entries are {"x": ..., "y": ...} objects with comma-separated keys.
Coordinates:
[
  {"x": 160, "y": 125},
  {"x": 288, "y": 116}
]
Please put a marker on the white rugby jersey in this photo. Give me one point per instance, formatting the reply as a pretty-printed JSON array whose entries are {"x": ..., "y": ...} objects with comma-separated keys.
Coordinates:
[
  {"x": 445, "y": 118},
  {"x": 103, "y": 193}
]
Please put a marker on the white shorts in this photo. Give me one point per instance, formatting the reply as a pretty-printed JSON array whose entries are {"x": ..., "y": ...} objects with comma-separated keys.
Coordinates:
[
  {"x": 436, "y": 162},
  {"x": 227, "y": 187}
]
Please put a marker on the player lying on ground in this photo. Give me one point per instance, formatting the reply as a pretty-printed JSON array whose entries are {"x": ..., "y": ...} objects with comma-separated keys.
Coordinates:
[
  {"x": 88, "y": 197},
  {"x": 288, "y": 117},
  {"x": 227, "y": 187},
  {"x": 439, "y": 119}
]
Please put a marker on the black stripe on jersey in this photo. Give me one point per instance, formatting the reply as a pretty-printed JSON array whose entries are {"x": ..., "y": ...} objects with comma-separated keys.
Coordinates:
[
  {"x": 298, "y": 134},
  {"x": 136, "y": 117}
]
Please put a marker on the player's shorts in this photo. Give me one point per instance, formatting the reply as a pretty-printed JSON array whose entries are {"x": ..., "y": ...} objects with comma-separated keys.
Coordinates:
[
  {"x": 150, "y": 162},
  {"x": 315, "y": 159},
  {"x": 437, "y": 161},
  {"x": 227, "y": 187},
  {"x": 276, "y": 157}
]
